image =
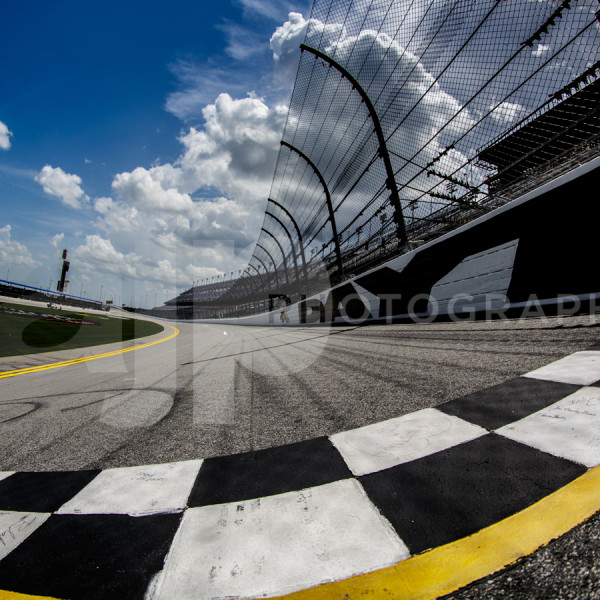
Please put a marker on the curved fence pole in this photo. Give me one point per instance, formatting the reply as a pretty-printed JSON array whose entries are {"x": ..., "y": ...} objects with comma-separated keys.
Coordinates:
[
  {"x": 246, "y": 285},
  {"x": 256, "y": 287},
  {"x": 272, "y": 262},
  {"x": 300, "y": 240},
  {"x": 291, "y": 242},
  {"x": 336, "y": 239},
  {"x": 257, "y": 270},
  {"x": 287, "y": 278},
  {"x": 383, "y": 151}
]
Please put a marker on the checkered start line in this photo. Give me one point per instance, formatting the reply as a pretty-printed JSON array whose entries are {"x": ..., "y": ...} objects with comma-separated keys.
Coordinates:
[{"x": 272, "y": 522}]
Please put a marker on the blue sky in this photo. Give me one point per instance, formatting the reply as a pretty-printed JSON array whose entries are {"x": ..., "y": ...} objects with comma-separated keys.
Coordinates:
[{"x": 140, "y": 135}]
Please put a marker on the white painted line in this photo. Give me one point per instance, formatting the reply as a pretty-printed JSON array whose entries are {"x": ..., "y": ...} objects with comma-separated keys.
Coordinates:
[
  {"x": 581, "y": 368},
  {"x": 16, "y": 527},
  {"x": 279, "y": 544},
  {"x": 136, "y": 491},
  {"x": 403, "y": 439},
  {"x": 569, "y": 428}
]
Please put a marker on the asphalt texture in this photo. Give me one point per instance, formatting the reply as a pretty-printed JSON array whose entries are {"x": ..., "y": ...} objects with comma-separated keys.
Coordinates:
[{"x": 216, "y": 390}]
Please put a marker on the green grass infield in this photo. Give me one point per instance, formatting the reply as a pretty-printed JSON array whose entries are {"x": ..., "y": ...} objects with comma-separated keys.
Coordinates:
[{"x": 33, "y": 329}]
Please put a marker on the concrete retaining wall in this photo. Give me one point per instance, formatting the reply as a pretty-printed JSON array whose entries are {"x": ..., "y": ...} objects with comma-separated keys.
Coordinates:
[{"x": 538, "y": 250}]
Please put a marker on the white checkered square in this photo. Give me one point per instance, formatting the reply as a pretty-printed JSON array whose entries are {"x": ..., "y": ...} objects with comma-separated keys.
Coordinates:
[
  {"x": 279, "y": 544},
  {"x": 580, "y": 368},
  {"x": 569, "y": 428},
  {"x": 140, "y": 490},
  {"x": 15, "y": 527},
  {"x": 403, "y": 439},
  {"x": 5, "y": 474}
]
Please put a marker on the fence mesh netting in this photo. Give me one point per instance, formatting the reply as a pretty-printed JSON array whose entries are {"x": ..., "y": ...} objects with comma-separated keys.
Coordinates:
[{"x": 409, "y": 118}]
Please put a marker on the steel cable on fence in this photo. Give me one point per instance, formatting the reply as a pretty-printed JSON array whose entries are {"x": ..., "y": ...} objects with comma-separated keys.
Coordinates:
[
  {"x": 490, "y": 111},
  {"x": 346, "y": 167},
  {"x": 481, "y": 119},
  {"x": 332, "y": 98}
]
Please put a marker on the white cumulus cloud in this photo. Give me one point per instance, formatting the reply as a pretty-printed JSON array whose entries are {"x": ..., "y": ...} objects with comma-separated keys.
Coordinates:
[
  {"x": 99, "y": 255},
  {"x": 233, "y": 156},
  {"x": 199, "y": 215},
  {"x": 13, "y": 253},
  {"x": 57, "y": 239},
  {"x": 143, "y": 188},
  {"x": 5, "y": 136},
  {"x": 247, "y": 130},
  {"x": 285, "y": 44},
  {"x": 507, "y": 112},
  {"x": 284, "y": 40},
  {"x": 63, "y": 185}
]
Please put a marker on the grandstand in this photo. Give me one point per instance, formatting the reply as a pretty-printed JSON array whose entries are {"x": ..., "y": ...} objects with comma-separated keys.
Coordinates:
[
  {"x": 20, "y": 291},
  {"x": 549, "y": 143},
  {"x": 205, "y": 302},
  {"x": 406, "y": 121}
]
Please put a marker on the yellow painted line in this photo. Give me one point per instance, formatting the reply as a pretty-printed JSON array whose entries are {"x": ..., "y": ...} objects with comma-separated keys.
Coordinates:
[
  {"x": 17, "y": 596},
  {"x": 448, "y": 568},
  {"x": 56, "y": 365}
]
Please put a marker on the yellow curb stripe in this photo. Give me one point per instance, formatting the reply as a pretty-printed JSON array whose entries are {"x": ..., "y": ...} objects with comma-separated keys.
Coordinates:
[
  {"x": 450, "y": 567},
  {"x": 17, "y": 596},
  {"x": 4, "y": 374}
]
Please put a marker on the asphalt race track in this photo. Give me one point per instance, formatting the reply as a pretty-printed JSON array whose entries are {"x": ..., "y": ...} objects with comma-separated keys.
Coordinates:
[{"x": 217, "y": 390}]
